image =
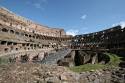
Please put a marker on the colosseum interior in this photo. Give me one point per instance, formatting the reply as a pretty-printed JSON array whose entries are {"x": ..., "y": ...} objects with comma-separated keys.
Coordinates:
[
  {"x": 20, "y": 37},
  {"x": 25, "y": 41}
]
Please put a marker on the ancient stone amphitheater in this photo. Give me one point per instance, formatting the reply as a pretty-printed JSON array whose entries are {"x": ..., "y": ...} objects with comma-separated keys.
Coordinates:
[
  {"x": 20, "y": 37},
  {"x": 22, "y": 40}
]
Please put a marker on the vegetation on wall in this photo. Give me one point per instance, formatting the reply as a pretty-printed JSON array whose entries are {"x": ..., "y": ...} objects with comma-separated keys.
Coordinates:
[
  {"x": 114, "y": 62},
  {"x": 3, "y": 60}
]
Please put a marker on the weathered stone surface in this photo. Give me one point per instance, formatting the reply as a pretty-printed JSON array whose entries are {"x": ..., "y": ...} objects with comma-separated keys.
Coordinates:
[{"x": 37, "y": 73}]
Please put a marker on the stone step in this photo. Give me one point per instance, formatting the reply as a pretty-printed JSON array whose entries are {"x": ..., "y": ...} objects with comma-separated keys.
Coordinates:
[{"x": 52, "y": 58}]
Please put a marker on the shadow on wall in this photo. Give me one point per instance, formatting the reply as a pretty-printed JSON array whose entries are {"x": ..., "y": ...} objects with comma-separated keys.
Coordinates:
[{"x": 83, "y": 57}]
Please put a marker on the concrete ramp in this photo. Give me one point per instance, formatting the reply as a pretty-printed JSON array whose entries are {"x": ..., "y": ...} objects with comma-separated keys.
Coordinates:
[{"x": 52, "y": 58}]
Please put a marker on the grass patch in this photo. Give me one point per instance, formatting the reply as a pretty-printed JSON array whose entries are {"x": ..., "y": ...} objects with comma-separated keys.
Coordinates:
[
  {"x": 3, "y": 60},
  {"x": 87, "y": 67},
  {"x": 114, "y": 62}
]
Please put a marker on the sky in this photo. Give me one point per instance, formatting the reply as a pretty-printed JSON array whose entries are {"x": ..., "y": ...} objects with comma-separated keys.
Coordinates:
[{"x": 74, "y": 16}]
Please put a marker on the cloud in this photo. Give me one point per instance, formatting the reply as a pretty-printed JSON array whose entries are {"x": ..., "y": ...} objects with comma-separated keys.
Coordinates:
[
  {"x": 83, "y": 17},
  {"x": 72, "y": 32},
  {"x": 39, "y": 4},
  {"x": 122, "y": 24}
]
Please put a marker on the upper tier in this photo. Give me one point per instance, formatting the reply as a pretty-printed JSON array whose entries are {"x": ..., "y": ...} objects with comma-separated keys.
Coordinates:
[{"x": 10, "y": 19}]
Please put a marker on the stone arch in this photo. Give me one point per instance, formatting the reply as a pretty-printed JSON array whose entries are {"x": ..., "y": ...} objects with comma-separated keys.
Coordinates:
[
  {"x": 3, "y": 42},
  {"x": 6, "y": 49},
  {"x": 12, "y": 31},
  {"x": 4, "y": 30},
  {"x": 24, "y": 58}
]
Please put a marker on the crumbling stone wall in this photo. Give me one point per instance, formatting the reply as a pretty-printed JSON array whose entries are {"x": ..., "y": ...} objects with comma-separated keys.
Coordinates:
[
  {"x": 106, "y": 40},
  {"x": 79, "y": 57},
  {"x": 9, "y": 18},
  {"x": 21, "y": 37}
]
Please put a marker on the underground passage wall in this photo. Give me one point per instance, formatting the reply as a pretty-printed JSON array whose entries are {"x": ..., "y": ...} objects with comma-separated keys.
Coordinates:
[
  {"x": 79, "y": 57},
  {"x": 89, "y": 57}
]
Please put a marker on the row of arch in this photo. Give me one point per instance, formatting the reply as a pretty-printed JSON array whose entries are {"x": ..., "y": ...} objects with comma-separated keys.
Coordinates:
[
  {"x": 28, "y": 34},
  {"x": 111, "y": 38}
]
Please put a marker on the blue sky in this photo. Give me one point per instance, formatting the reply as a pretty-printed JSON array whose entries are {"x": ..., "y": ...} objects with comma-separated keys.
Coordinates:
[{"x": 75, "y": 16}]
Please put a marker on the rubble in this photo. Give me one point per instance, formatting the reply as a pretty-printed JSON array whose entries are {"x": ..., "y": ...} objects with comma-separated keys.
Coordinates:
[{"x": 39, "y": 73}]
